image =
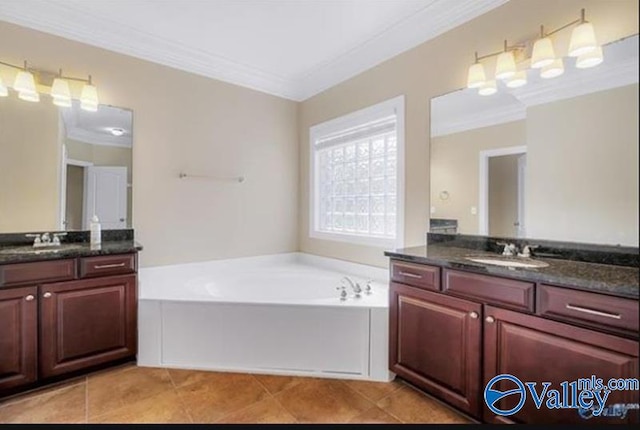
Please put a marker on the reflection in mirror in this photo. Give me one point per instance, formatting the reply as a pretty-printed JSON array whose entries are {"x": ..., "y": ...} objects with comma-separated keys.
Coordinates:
[
  {"x": 60, "y": 166},
  {"x": 556, "y": 159}
]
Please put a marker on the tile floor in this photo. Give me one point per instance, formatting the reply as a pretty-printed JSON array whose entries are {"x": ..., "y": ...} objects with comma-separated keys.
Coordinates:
[{"x": 130, "y": 394}]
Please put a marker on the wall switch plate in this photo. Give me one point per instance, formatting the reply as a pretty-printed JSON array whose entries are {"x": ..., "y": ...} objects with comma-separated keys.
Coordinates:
[
  {"x": 474, "y": 210},
  {"x": 433, "y": 209}
]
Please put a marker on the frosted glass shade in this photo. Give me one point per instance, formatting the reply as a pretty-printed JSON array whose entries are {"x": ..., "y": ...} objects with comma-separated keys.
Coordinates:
[
  {"x": 590, "y": 59},
  {"x": 488, "y": 88},
  {"x": 505, "y": 65},
  {"x": 25, "y": 83},
  {"x": 555, "y": 69},
  {"x": 543, "y": 53},
  {"x": 476, "y": 76},
  {"x": 3, "y": 89},
  {"x": 60, "y": 90},
  {"x": 518, "y": 80},
  {"x": 89, "y": 98},
  {"x": 62, "y": 102},
  {"x": 583, "y": 40},
  {"x": 29, "y": 97}
]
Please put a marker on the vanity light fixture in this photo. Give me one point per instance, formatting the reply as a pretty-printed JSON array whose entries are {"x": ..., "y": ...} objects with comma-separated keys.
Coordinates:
[
  {"x": 583, "y": 38},
  {"x": 60, "y": 92},
  {"x": 553, "y": 70},
  {"x": 489, "y": 88},
  {"x": 476, "y": 76},
  {"x": 505, "y": 64},
  {"x": 25, "y": 85},
  {"x": 518, "y": 80},
  {"x": 590, "y": 59},
  {"x": 543, "y": 53},
  {"x": 583, "y": 46}
]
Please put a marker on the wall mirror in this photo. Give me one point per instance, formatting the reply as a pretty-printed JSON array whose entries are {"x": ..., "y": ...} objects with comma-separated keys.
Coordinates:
[
  {"x": 556, "y": 159},
  {"x": 60, "y": 166}
]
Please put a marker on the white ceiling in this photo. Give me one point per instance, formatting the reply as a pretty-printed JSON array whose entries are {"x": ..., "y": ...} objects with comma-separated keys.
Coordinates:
[
  {"x": 290, "y": 48},
  {"x": 95, "y": 127}
]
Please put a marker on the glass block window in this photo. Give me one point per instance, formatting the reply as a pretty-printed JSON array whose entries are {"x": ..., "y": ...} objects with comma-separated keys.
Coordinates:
[{"x": 355, "y": 192}]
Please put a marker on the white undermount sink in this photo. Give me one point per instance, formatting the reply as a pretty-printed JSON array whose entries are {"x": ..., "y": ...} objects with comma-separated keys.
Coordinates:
[{"x": 523, "y": 263}]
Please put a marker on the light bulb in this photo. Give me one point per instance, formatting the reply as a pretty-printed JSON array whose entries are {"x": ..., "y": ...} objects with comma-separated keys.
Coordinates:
[
  {"x": 583, "y": 40},
  {"x": 488, "y": 88},
  {"x": 518, "y": 80},
  {"x": 505, "y": 65},
  {"x": 543, "y": 53},
  {"x": 476, "y": 76},
  {"x": 590, "y": 59},
  {"x": 29, "y": 97},
  {"x": 553, "y": 70},
  {"x": 25, "y": 83}
]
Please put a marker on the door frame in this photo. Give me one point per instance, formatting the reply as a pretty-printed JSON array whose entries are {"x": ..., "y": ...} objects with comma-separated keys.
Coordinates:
[
  {"x": 483, "y": 183},
  {"x": 62, "y": 204}
]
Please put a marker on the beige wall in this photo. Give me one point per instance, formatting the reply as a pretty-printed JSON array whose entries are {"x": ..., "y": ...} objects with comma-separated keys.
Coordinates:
[
  {"x": 431, "y": 69},
  {"x": 503, "y": 195},
  {"x": 199, "y": 125},
  {"x": 29, "y": 165},
  {"x": 455, "y": 168},
  {"x": 588, "y": 190}
]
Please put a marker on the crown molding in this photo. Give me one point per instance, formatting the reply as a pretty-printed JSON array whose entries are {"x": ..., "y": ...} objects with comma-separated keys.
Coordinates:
[
  {"x": 433, "y": 20},
  {"x": 65, "y": 20},
  {"x": 486, "y": 118}
]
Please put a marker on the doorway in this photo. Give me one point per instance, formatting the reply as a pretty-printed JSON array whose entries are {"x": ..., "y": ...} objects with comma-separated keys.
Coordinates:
[{"x": 502, "y": 192}]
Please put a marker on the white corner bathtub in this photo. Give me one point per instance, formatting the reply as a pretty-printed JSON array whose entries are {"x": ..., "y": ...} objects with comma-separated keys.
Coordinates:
[{"x": 278, "y": 314}]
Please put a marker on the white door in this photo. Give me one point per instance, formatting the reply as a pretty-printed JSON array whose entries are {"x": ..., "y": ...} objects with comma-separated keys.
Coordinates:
[
  {"x": 521, "y": 230},
  {"x": 105, "y": 195}
]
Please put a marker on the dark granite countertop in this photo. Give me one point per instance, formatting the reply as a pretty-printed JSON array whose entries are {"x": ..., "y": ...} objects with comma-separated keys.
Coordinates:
[
  {"x": 80, "y": 249},
  {"x": 602, "y": 278}
]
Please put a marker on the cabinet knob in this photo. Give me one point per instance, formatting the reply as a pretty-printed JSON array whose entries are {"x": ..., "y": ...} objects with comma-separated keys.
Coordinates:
[
  {"x": 29, "y": 298},
  {"x": 46, "y": 295},
  {"x": 473, "y": 315},
  {"x": 490, "y": 320}
]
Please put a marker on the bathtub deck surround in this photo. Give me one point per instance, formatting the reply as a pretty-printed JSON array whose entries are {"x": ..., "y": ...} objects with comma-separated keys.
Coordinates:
[
  {"x": 580, "y": 315},
  {"x": 279, "y": 314},
  {"x": 67, "y": 310}
]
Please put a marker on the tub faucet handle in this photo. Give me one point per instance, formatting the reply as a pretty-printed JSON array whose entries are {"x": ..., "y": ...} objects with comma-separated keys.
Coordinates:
[
  {"x": 343, "y": 293},
  {"x": 367, "y": 288}
]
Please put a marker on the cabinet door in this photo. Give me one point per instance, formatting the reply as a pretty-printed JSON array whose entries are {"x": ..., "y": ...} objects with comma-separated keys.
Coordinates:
[
  {"x": 435, "y": 343},
  {"x": 86, "y": 323},
  {"x": 18, "y": 337},
  {"x": 537, "y": 350}
]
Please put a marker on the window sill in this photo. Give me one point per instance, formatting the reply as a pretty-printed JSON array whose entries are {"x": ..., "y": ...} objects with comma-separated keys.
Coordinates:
[{"x": 375, "y": 242}]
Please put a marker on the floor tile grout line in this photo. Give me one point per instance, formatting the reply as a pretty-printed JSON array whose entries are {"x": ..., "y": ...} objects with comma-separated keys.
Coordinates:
[
  {"x": 86, "y": 400},
  {"x": 38, "y": 392},
  {"x": 177, "y": 393}
]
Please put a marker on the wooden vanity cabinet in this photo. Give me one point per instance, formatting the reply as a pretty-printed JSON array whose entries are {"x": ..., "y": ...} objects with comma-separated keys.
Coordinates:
[
  {"x": 86, "y": 323},
  {"x": 435, "y": 342},
  {"x": 18, "y": 337},
  {"x": 538, "y": 350},
  {"x": 62, "y": 323},
  {"x": 451, "y": 343}
]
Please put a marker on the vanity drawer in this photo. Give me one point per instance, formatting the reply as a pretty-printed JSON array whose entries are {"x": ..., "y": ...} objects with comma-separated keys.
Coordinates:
[
  {"x": 503, "y": 292},
  {"x": 417, "y": 275},
  {"x": 587, "y": 308},
  {"x": 107, "y": 265},
  {"x": 39, "y": 271}
]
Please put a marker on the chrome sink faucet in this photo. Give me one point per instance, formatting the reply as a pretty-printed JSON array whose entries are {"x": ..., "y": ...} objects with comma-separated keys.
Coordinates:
[
  {"x": 45, "y": 240},
  {"x": 509, "y": 250}
]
